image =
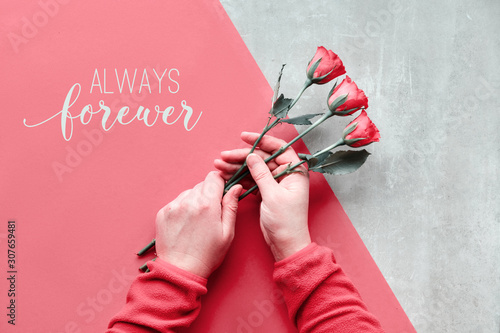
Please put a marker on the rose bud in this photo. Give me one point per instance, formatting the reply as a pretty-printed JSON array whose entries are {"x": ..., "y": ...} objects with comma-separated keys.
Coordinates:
[
  {"x": 361, "y": 131},
  {"x": 324, "y": 66},
  {"x": 346, "y": 98}
]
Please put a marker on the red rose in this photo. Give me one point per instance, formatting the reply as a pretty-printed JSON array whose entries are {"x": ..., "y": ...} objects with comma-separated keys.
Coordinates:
[
  {"x": 346, "y": 98},
  {"x": 324, "y": 66},
  {"x": 361, "y": 131}
]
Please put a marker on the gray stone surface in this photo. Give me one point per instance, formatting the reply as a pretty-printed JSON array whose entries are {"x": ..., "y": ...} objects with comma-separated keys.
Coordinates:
[{"x": 426, "y": 203}]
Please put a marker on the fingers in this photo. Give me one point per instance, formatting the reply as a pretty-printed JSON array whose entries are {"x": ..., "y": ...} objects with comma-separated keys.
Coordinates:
[
  {"x": 261, "y": 174},
  {"x": 239, "y": 155},
  {"x": 246, "y": 182},
  {"x": 271, "y": 145},
  {"x": 268, "y": 143},
  {"x": 231, "y": 161},
  {"x": 228, "y": 169},
  {"x": 213, "y": 186},
  {"x": 229, "y": 209},
  {"x": 183, "y": 195},
  {"x": 278, "y": 170}
]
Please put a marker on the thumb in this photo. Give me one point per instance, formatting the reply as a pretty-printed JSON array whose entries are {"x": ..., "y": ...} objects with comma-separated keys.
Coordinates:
[
  {"x": 229, "y": 209},
  {"x": 261, "y": 174}
]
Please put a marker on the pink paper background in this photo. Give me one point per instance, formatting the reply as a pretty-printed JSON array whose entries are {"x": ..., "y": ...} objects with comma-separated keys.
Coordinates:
[{"x": 77, "y": 236}]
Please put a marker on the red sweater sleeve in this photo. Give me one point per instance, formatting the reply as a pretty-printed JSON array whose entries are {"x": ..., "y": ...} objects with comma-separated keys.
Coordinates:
[
  {"x": 162, "y": 300},
  {"x": 319, "y": 296}
]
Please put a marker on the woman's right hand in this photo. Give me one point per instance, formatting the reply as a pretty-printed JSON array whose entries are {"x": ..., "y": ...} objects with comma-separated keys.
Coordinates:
[{"x": 285, "y": 201}]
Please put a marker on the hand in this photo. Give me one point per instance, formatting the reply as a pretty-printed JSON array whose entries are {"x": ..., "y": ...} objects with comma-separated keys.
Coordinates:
[
  {"x": 195, "y": 230},
  {"x": 285, "y": 202}
]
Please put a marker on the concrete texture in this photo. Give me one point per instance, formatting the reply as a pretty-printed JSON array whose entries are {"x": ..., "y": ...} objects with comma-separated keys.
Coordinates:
[{"x": 427, "y": 202}]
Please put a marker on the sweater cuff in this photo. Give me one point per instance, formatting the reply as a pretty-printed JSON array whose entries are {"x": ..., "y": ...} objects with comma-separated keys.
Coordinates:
[
  {"x": 164, "y": 266},
  {"x": 297, "y": 255},
  {"x": 301, "y": 273}
]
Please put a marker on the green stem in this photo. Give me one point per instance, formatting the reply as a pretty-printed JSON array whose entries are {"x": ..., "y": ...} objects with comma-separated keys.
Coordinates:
[
  {"x": 282, "y": 149},
  {"x": 306, "y": 85},
  {"x": 340, "y": 142},
  {"x": 144, "y": 267},
  {"x": 266, "y": 129},
  {"x": 296, "y": 165},
  {"x": 147, "y": 247},
  {"x": 287, "y": 170}
]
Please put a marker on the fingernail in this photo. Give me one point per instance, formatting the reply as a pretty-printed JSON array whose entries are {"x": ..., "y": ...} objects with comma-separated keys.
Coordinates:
[
  {"x": 237, "y": 192},
  {"x": 252, "y": 159}
]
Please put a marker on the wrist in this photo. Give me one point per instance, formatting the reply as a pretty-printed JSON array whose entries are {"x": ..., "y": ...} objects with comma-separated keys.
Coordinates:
[
  {"x": 284, "y": 249},
  {"x": 187, "y": 263},
  {"x": 153, "y": 266}
]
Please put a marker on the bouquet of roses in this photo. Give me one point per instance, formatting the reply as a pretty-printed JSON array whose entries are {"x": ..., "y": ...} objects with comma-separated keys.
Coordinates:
[{"x": 344, "y": 99}]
